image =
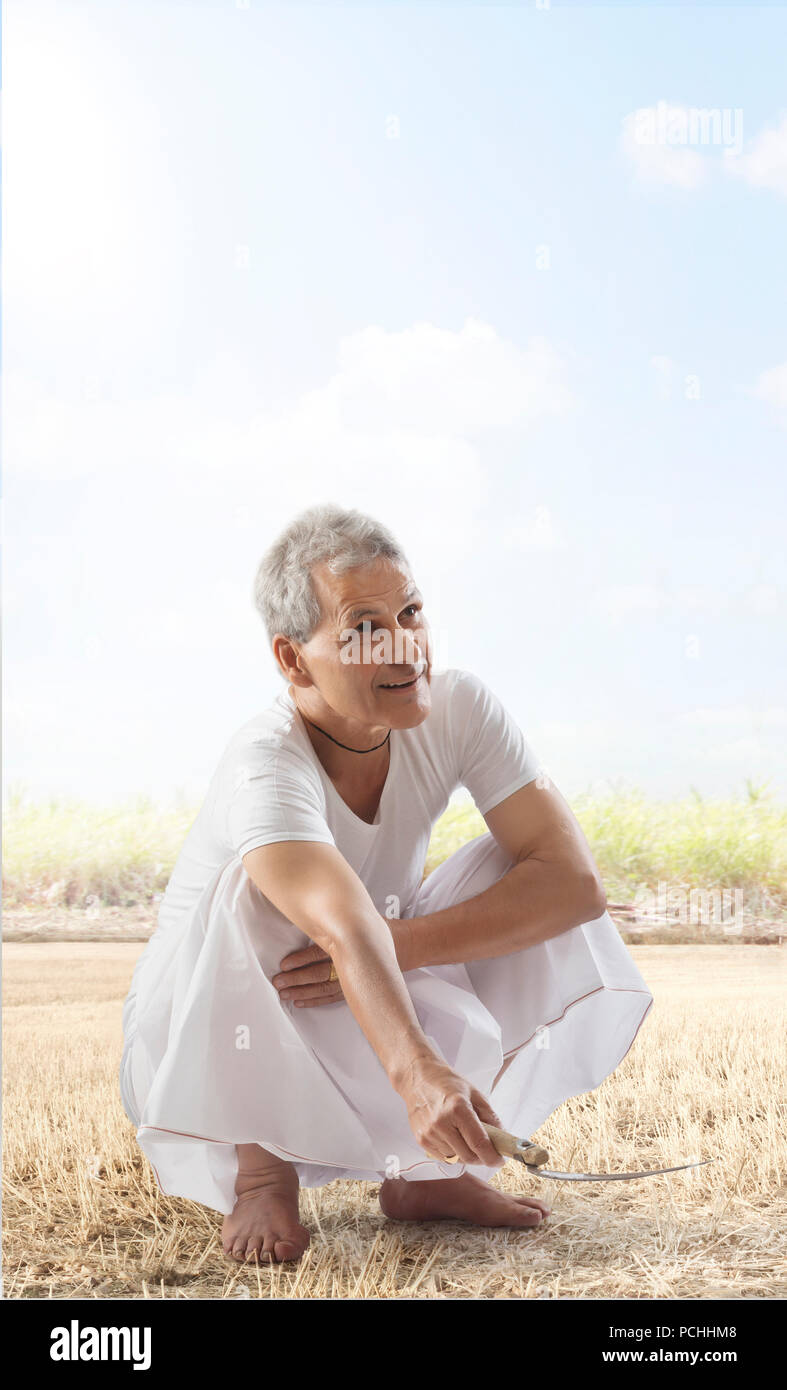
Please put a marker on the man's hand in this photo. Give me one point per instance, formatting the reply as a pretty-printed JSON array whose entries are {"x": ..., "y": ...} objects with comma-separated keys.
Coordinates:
[
  {"x": 314, "y": 887},
  {"x": 445, "y": 1114},
  {"x": 303, "y": 977},
  {"x": 444, "y": 1110}
]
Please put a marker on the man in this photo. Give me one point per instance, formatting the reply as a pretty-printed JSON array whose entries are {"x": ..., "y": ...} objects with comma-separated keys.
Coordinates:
[{"x": 309, "y": 1008}]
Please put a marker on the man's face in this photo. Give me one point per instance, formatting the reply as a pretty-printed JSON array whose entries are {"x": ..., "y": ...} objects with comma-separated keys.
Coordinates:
[{"x": 373, "y": 636}]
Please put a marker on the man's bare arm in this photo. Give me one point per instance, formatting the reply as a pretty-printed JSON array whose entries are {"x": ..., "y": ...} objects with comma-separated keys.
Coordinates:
[
  {"x": 553, "y": 886},
  {"x": 315, "y": 888}
]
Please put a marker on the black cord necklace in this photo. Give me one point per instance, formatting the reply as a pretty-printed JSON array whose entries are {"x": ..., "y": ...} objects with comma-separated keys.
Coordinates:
[{"x": 345, "y": 745}]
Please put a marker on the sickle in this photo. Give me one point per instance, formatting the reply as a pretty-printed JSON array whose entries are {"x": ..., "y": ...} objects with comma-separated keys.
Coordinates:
[{"x": 534, "y": 1157}]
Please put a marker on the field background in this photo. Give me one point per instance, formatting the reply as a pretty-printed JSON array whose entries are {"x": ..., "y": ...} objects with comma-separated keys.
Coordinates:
[
  {"x": 75, "y": 871},
  {"x": 83, "y": 1216}
]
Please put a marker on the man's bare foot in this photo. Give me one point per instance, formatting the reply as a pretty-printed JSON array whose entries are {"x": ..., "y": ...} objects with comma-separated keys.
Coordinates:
[
  {"x": 467, "y": 1198},
  {"x": 265, "y": 1221}
]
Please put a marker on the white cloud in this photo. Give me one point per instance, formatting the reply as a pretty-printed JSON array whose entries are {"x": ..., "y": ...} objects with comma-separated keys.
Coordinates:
[
  {"x": 675, "y": 145},
  {"x": 771, "y": 386},
  {"x": 774, "y": 717},
  {"x": 186, "y": 487},
  {"x": 223, "y": 616},
  {"x": 558, "y": 729},
  {"x": 618, "y": 602},
  {"x": 663, "y": 365},
  {"x": 137, "y": 582},
  {"x": 405, "y": 400},
  {"x": 740, "y": 751},
  {"x": 91, "y": 206},
  {"x": 538, "y": 534},
  {"x": 764, "y": 600},
  {"x": 434, "y": 381},
  {"x": 654, "y": 142},
  {"x": 698, "y": 598},
  {"x": 622, "y": 600},
  {"x": 735, "y": 716},
  {"x": 764, "y": 162}
]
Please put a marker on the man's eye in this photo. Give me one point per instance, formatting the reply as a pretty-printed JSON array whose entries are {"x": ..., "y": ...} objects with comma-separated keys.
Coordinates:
[
  {"x": 411, "y": 608},
  {"x": 365, "y": 625}
]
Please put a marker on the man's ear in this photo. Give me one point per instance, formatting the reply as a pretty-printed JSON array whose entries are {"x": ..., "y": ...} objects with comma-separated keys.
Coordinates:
[{"x": 291, "y": 661}]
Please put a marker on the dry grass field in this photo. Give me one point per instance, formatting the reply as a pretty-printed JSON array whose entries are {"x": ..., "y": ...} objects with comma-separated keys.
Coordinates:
[{"x": 84, "y": 1218}]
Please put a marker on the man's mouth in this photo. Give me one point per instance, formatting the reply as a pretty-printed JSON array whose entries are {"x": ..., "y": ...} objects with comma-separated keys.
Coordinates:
[{"x": 401, "y": 685}]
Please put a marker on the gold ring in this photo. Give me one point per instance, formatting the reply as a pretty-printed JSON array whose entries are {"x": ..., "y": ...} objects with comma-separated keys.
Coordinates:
[
  {"x": 452, "y": 1158},
  {"x": 333, "y": 975}
]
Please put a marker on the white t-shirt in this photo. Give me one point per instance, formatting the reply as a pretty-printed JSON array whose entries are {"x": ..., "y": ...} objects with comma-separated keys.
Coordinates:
[{"x": 270, "y": 786}]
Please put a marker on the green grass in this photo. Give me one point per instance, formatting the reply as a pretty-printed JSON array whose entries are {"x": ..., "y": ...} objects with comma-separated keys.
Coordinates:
[
  {"x": 638, "y": 842},
  {"x": 65, "y": 853}
]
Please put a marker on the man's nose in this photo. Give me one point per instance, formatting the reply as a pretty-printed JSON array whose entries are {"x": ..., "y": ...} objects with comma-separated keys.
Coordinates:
[{"x": 406, "y": 648}]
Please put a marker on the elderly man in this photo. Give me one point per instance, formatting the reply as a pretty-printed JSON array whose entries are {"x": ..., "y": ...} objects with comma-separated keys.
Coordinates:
[{"x": 310, "y": 1007}]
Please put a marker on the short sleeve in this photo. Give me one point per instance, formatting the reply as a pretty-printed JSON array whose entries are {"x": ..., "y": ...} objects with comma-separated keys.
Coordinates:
[
  {"x": 272, "y": 796},
  {"x": 493, "y": 758}
]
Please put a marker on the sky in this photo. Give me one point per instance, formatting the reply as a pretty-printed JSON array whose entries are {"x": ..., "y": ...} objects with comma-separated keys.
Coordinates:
[{"x": 484, "y": 272}]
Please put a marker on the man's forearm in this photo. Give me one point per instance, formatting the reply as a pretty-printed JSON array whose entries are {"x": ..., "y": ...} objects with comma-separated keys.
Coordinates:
[
  {"x": 535, "y": 900},
  {"x": 314, "y": 887},
  {"x": 371, "y": 980}
]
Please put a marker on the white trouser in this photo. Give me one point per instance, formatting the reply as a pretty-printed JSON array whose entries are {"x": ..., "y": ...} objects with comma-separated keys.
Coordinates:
[{"x": 214, "y": 1057}]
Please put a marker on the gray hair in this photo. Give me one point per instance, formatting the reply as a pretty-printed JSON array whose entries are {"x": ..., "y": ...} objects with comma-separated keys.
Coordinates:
[{"x": 283, "y": 591}]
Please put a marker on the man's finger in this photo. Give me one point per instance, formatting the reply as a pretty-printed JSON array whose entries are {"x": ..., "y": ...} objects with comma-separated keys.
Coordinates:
[
  {"x": 477, "y": 1139},
  {"x": 306, "y": 956},
  {"x": 483, "y": 1109},
  {"x": 306, "y": 975},
  {"x": 316, "y": 991},
  {"x": 459, "y": 1146}
]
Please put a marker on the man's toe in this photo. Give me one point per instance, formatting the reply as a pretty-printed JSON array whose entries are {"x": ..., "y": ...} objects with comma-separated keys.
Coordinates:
[
  {"x": 529, "y": 1215},
  {"x": 292, "y": 1246},
  {"x": 287, "y": 1249},
  {"x": 268, "y": 1252}
]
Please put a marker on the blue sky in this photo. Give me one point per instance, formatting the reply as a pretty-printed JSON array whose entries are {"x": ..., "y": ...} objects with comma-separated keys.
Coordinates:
[{"x": 409, "y": 258}]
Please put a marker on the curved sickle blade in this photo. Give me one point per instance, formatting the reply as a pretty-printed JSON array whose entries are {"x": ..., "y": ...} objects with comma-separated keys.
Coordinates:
[{"x": 610, "y": 1177}]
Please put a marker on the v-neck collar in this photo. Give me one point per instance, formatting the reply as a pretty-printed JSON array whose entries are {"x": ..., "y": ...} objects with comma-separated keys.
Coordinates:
[{"x": 332, "y": 790}]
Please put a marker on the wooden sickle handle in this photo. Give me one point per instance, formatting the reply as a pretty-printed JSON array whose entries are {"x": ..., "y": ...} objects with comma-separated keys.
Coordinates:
[{"x": 510, "y": 1147}]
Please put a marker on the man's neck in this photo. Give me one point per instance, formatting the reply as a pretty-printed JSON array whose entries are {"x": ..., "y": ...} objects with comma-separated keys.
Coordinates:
[{"x": 358, "y": 762}]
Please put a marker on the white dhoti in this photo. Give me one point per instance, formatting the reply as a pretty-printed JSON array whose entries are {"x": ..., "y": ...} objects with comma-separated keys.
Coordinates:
[{"x": 214, "y": 1057}]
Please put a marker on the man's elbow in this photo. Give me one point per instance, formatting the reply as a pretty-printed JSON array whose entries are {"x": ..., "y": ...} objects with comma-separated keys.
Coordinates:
[
  {"x": 593, "y": 898},
  {"x": 344, "y": 932}
]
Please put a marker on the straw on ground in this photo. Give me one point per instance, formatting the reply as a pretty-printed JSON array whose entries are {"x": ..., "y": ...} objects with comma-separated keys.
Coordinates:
[{"x": 83, "y": 1215}]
